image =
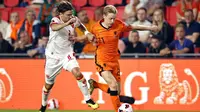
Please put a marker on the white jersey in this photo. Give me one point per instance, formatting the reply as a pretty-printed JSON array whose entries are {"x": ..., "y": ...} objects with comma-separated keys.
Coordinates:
[{"x": 59, "y": 45}]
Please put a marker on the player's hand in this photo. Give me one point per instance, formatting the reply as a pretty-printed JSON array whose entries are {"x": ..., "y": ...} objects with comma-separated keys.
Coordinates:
[
  {"x": 71, "y": 21},
  {"x": 91, "y": 37},
  {"x": 77, "y": 39}
]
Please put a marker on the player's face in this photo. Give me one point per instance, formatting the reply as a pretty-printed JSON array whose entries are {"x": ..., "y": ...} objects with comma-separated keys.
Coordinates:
[
  {"x": 180, "y": 33},
  {"x": 155, "y": 43},
  {"x": 66, "y": 16},
  {"x": 109, "y": 19}
]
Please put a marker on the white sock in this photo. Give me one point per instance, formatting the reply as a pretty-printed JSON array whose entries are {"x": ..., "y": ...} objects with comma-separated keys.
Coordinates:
[
  {"x": 82, "y": 84},
  {"x": 45, "y": 95}
]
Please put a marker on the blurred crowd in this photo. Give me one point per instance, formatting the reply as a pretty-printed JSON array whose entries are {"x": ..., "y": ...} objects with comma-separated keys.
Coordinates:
[{"x": 30, "y": 34}]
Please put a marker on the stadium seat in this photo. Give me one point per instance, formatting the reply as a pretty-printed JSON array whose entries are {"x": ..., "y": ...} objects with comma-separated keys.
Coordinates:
[
  {"x": 5, "y": 13},
  {"x": 96, "y": 3},
  {"x": 196, "y": 49},
  {"x": 79, "y": 3},
  {"x": 90, "y": 11},
  {"x": 127, "y": 1},
  {"x": 114, "y": 2},
  {"x": 171, "y": 15},
  {"x": 120, "y": 13},
  {"x": 21, "y": 11},
  {"x": 11, "y": 3}
]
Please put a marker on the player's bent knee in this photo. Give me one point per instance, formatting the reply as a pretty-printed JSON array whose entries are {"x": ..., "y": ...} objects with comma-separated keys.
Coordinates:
[
  {"x": 76, "y": 72},
  {"x": 48, "y": 87}
]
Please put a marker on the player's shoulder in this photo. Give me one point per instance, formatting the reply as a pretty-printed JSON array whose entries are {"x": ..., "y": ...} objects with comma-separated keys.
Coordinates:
[
  {"x": 96, "y": 26},
  {"x": 118, "y": 21},
  {"x": 56, "y": 18}
]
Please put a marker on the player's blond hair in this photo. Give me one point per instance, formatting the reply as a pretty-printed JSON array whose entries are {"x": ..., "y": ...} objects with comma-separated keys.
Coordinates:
[{"x": 109, "y": 9}]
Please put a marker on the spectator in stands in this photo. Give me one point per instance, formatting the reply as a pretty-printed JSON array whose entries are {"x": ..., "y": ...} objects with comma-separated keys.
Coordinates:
[
  {"x": 157, "y": 46},
  {"x": 181, "y": 45},
  {"x": 131, "y": 8},
  {"x": 131, "y": 44},
  {"x": 142, "y": 20},
  {"x": 192, "y": 27},
  {"x": 152, "y": 6},
  {"x": 198, "y": 8},
  {"x": 89, "y": 47},
  {"x": 54, "y": 12},
  {"x": 3, "y": 26},
  {"x": 5, "y": 46},
  {"x": 98, "y": 14},
  {"x": 13, "y": 28},
  {"x": 32, "y": 26},
  {"x": 182, "y": 6},
  {"x": 24, "y": 3},
  {"x": 165, "y": 31},
  {"x": 23, "y": 44},
  {"x": 45, "y": 14},
  {"x": 40, "y": 50}
]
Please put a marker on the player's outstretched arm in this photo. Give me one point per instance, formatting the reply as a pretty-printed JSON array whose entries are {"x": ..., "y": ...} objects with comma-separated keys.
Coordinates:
[
  {"x": 58, "y": 26},
  {"x": 143, "y": 27},
  {"x": 78, "y": 39},
  {"x": 88, "y": 35}
]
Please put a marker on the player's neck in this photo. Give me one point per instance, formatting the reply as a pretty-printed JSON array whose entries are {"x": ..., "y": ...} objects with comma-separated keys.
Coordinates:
[
  {"x": 104, "y": 25},
  {"x": 61, "y": 18}
]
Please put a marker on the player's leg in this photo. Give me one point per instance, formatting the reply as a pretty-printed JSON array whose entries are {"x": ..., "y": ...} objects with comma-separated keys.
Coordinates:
[
  {"x": 82, "y": 84},
  {"x": 105, "y": 88},
  {"x": 52, "y": 69},
  {"x": 112, "y": 83},
  {"x": 73, "y": 67},
  {"x": 45, "y": 93},
  {"x": 116, "y": 74}
]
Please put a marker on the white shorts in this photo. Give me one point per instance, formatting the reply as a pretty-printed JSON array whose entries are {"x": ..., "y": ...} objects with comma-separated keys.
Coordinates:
[{"x": 53, "y": 66}]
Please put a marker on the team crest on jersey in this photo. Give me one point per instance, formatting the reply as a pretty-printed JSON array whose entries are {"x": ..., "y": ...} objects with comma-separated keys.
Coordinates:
[{"x": 115, "y": 33}]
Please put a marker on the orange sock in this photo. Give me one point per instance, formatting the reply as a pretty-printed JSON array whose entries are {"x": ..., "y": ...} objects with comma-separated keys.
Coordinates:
[
  {"x": 103, "y": 87},
  {"x": 115, "y": 100}
]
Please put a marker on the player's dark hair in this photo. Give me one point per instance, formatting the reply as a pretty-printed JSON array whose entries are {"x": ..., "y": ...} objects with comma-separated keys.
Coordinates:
[{"x": 64, "y": 6}]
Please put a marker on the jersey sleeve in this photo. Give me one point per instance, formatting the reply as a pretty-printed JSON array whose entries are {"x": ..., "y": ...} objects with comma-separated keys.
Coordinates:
[
  {"x": 125, "y": 27},
  {"x": 54, "y": 20},
  {"x": 77, "y": 23}
]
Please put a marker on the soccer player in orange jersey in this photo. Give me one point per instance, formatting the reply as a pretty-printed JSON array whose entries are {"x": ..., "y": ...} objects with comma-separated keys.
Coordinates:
[{"x": 107, "y": 32}]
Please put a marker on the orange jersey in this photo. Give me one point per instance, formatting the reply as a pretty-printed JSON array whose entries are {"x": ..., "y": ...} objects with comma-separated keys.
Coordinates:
[{"x": 107, "y": 40}]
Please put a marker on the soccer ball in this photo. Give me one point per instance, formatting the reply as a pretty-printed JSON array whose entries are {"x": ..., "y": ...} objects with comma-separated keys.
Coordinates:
[
  {"x": 53, "y": 104},
  {"x": 125, "y": 107}
]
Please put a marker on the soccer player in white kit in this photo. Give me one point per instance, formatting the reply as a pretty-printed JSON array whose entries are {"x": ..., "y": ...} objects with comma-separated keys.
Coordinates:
[{"x": 60, "y": 54}]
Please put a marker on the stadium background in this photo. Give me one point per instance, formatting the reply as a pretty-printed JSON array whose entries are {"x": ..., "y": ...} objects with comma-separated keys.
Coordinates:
[{"x": 21, "y": 76}]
